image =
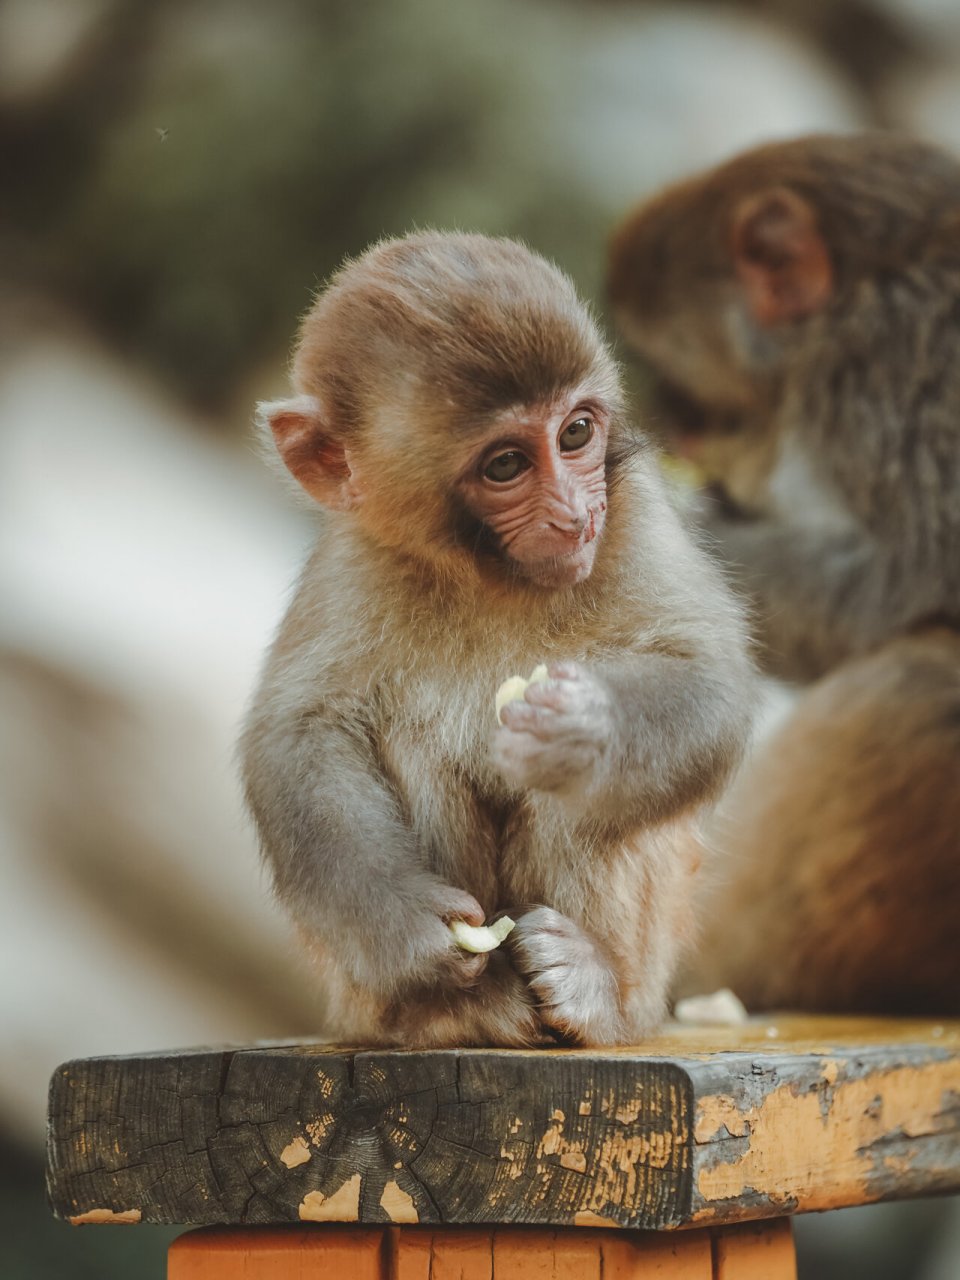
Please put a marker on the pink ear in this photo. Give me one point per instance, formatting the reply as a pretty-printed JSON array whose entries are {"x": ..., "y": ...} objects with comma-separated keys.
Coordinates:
[
  {"x": 780, "y": 256},
  {"x": 310, "y": 451}
]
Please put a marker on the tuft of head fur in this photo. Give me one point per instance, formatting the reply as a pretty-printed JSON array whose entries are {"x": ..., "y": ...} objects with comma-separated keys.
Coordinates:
[
  {"x": 408, "y": 353},
  {"x": 472, "y": 323}
]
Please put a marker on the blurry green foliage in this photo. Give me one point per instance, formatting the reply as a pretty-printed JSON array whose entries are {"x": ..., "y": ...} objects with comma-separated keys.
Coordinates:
[{"x": 197, "y": 170}]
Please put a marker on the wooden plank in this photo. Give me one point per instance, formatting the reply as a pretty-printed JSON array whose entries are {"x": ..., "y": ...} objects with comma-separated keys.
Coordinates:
[
  {"x": 277, "y": 1253},
  {"x": 450, "y": 1253},
  {"x": 755, "y": 1251},
  {"x": 694, "y": 1126},
  {"x": 546, "y": 1255},
  {"x": 461, "y": 1253},
  {"x": 629, "y": 1255}
]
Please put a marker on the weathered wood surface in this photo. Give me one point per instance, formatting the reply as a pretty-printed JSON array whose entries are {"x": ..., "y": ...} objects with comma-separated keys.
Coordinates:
[
  {"x": 754, "y": 1251},
  {"x": 696, "y": 1126}
]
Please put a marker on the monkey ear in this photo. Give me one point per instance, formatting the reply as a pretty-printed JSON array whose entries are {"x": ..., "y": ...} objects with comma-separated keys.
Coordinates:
[
  {"x": 780, "y": 256},
  {"x": 312, "y": 454}
]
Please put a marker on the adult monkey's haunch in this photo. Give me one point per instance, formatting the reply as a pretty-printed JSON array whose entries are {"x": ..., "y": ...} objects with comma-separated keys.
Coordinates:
[
  {"x": 487, "y": 509},
  {"x": 799, "y": 310}
]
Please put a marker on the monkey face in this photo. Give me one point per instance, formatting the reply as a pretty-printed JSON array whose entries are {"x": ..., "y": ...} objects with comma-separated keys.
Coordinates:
[
  {"x": 733, "y": 448},
  {"x": 534, "y": 490}
]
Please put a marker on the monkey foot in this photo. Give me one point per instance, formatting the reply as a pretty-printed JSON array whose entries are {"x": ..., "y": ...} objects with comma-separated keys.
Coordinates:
[{"x": 575, "y": 989}]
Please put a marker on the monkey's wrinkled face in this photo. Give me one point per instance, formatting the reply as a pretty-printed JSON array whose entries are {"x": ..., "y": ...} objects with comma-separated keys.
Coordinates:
[{"x": 536, "y": 483}]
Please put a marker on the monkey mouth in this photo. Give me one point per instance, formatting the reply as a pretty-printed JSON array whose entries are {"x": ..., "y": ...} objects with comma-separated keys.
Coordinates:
[{"x": 564, "y": 570}]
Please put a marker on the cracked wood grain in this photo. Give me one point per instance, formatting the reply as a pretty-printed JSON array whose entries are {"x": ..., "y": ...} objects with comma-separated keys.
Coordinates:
[{"x": 690, "y": 1127}]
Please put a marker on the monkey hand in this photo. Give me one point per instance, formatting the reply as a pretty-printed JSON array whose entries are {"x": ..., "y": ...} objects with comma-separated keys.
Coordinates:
[
  {"x": 558, "y": 738},
  {"x": 575, "y": 988},
  {"x": 432, "y": 956}
]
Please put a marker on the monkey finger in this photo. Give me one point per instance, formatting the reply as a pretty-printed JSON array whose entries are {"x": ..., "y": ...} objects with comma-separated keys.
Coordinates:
[
  {"x": 524, "y": 717},
  {"x": 549, "y": 693},
  {"x": 564, "y": 671},
  {"x": 452, "y": 904}
]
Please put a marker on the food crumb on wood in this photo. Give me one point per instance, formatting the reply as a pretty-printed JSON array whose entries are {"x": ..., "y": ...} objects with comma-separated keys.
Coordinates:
[{"x": 720, "y": 1009}]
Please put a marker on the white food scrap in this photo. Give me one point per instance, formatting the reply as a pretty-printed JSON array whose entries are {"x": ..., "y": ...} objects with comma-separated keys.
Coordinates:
[
  {"x": 480, "y": 938},
  {"x": 513, "y": 689},
  {"x": 721, "y": 1009}
]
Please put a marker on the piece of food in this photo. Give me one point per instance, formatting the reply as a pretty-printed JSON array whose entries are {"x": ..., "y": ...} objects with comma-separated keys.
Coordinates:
[
  {"x": 720, "y": 1009},
  {"x": 513, "y": 689},
  {"x": 483, "y": 937}
]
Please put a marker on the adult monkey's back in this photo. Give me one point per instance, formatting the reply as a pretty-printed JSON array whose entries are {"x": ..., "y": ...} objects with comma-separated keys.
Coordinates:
[
  {"x": 799, "y": 310},
  {"x": 487, "y": 508}
]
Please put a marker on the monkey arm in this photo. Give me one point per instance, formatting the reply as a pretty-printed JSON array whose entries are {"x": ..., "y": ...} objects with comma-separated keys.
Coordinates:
[
  {"x": 344, "y": 862},
  {"x": 819, "y": 596},
  {"x": 681, "y": 724},
  {"x": 631, "y": 742}
]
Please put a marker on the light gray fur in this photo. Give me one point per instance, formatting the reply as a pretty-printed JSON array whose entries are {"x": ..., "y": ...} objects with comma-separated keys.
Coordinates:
[{"x": 368, "y": 767}]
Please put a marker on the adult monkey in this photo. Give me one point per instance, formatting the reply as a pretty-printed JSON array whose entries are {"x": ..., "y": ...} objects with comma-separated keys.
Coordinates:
[
  {"x": 487, "y": 508},
  {"x": 799, "y": 310}
]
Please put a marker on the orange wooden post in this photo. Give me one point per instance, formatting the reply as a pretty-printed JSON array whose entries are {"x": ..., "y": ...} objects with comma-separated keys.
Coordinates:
[
  {"x": 755, "y": 1251},
  {"x": 277, "y": 1253}
]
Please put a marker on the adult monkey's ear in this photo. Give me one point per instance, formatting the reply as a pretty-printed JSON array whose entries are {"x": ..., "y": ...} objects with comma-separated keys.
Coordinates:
[
  {"x": 312, "y": 452},
  {"x": 780, "y": 256}
]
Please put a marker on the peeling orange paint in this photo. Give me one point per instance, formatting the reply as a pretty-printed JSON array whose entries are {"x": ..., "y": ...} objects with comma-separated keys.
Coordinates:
[
  {"x": 106, "y": 1215},
  {"x": 295, "y": 1153},
  {"x": 793, "y": 1140},
  {"x": 342, "y": 1206},
  {"x": 397, "y": 1204},
  {"x": 587, "y": 1218},
  {"x": 830, "y": 1070},
  {"x": 551, "y": 1142},
  {"x": 574, "y": 1160},
  {"x": 627, "y": 1112},
  {"x": 718, "y": 1112},
  {"x": 317, "y": 1129}
]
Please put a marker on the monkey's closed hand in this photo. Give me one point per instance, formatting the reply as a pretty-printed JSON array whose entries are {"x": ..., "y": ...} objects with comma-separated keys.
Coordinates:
[
  {"x": 558, "y": 737},
  {"x": 433, "y": 958}
]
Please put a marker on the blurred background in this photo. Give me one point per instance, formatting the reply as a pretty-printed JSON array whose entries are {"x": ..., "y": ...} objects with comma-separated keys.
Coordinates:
[{"x": 179, "y": 178}]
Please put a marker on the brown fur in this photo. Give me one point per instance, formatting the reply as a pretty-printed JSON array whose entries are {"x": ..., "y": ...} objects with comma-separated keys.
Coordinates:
[
  {"x": 367, "y": 752},
  {"x": 833, "y": 438},
  {"x": 847, "y": 839},
  {"x": 814, "y": 372}
]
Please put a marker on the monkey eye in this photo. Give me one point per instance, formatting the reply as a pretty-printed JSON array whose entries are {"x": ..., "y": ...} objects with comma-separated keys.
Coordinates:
[
  {"x": 505, "y": 466},
  {"x": 576, "y": 435}
]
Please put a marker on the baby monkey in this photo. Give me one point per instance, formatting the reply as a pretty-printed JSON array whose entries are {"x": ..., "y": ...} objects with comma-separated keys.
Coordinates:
[{"x": 486, "y": 508}]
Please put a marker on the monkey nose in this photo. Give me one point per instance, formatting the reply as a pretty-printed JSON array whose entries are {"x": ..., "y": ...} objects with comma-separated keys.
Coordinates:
[{"x": 573, "y": 524}]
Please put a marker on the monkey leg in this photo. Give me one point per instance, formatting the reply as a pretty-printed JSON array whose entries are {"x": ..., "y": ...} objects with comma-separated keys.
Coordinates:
[
  {"x": 844, "y": 893},
  {"x": 573, "y": 984},
  {"x": 495, "y": 1009},
  {"x": 498, "y": 1011},
  {"x": 601, "y": 970}
]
